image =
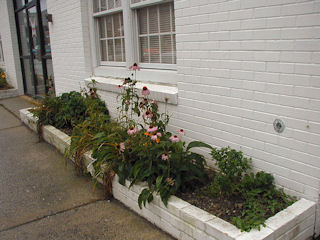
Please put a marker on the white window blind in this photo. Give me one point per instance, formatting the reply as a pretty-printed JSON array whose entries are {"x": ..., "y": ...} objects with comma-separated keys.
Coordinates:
[
  {"x": 156, "y": 33},
  {"x": 111, "y": 38}
]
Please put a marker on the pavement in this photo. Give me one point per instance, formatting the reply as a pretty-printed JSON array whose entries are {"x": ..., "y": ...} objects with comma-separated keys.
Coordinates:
[{"x": 43, "y": 198}]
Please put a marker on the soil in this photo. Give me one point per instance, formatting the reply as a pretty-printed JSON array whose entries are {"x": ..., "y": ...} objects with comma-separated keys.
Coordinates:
[
  {"x": 221, "y": 207},
  {"x": 67, "y": 131}
]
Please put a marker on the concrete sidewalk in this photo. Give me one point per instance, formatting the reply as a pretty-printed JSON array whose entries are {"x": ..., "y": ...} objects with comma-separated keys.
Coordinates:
[{"x": 42, "y": 197}]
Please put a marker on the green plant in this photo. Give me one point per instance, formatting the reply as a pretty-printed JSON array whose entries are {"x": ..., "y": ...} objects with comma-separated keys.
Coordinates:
[
  {"x": 3, "y": 80},
  {"x": 141, "y": 149},
  {"x": 262, "y": 200},
  {"x": 232, "y": 166},
  {"x": 69, "y": 109}
]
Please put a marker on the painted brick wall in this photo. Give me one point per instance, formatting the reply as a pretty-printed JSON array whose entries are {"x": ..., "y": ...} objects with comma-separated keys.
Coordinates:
[
  {"x": 70, "y": 44},
  {"x": 10, "y": 45},
  {"x": 241, "y": 64}
]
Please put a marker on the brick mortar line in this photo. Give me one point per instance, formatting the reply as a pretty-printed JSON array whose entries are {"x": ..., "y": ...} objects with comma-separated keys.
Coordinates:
[{"x": 51, "y": 215}]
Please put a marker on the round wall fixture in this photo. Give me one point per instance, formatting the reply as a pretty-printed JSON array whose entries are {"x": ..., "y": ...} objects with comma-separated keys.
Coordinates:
[{"x": 278, "y": 125}]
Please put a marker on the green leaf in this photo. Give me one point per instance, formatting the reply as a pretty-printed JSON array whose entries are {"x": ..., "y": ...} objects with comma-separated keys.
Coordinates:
[
  {"x": 198, "y": 144},
  {"x": 158, "y": 182}
]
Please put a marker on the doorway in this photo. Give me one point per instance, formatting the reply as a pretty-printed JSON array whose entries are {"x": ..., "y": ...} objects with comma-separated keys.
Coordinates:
[{"x": 34, "y": 46}]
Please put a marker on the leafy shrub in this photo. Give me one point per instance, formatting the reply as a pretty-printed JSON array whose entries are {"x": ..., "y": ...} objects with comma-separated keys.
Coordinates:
[
  {"x": 232, "y": 166},
  {"x": 69, "y": 109}
]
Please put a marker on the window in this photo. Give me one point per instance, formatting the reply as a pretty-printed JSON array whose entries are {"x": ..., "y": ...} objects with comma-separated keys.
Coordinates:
[
  {"x": 140, "y": 31},
  {"x": 1, "y": 51},
  {"x": 156, "y": 34}
]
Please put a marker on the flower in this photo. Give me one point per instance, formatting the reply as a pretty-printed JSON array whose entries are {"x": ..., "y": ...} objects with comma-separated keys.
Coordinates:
[
  {"x": 154, "y": 102},
  {"x": 154, "y": 137},
  {"x": 119, "y": 86},
  {"x": 145, "y": 91},
  {"x": 122, "y": 147},
  {"x": 174, "y": 138},
  {"x": 164, "y": 157},
  {"x": 157, "y": 140},
  {"x": 159, "y": 134},
  {"x": 134, "y": 67},
  {"x": 143, "y": 102},
  {"x": 132, "y": 130},
  {"x": 152, "y": 129},
  {"x": 170, "y": 181},
  {"x": 147, "y": 134},
  {"x": 181, "y": 131},
  {"x": 127, "y": 102},
  {"x": 148, "y": 114}
]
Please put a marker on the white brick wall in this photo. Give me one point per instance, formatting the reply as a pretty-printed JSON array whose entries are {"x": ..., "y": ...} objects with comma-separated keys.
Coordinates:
[
  {"x": 260, "y": 63},
  {"x": 240, "y": 65},
  {"x": 10, "y": 45},
  {"x": 70, "y": 43}
]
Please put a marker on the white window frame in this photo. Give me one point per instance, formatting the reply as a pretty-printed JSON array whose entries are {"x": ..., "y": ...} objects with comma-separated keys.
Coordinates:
[{"x": 131, "y": 36}]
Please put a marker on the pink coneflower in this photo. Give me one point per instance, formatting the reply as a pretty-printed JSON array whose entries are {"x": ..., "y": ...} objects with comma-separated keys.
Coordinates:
[
  {"x": 132, "y": 130},
  {"x": 127, "y": 102},
  {"x": 148, "y": 114},
  {"x": 174, "y": 138},
  {"x": 159, "y": 134},
  {"x": 152, "y": 129},
  {"x": 154, "y": 137},
  {"x": 119, "y": 86},
  {"x": 164, "y": 157},
  {"x": 122, "y": 147},
  {"x": 134, "y": 67},
  {"x": 181, "y": 131},
  {"x": 145, "y": 91},
  {"x": 154, "y": 102}
]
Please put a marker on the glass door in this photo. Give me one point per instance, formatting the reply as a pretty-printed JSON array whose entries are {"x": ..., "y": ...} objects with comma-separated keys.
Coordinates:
[{"x": 34, "y": 46}]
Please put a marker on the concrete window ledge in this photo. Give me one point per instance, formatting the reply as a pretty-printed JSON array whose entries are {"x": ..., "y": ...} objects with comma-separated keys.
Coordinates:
[
  {"x": 159, "y": 92},
  {"x": 9, "y": 93},
  {"x": 185, "y": 221}
]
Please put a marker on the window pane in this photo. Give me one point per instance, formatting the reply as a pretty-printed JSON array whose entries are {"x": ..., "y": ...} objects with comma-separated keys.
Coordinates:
[
  {"x": 153, "y": 20},
  {"x": 110, "y": 50},
  {"x": 144, "y": 51},
  {"x": 118, "y": 50},
  {"x": 174, "y": 49},
  {"x": 142, "y": 18},
  {"x": 103, "y": 5},
  {"x": 154, "y": 49},
  {"x": 173, "y": 18},
  {"x": 111, "y": 37},
  {"x": 103, "y": 50},
  {"x": 109, "y": 26},
  {"x": 110, "y": 4},
  {"x": 102, "y": 27},
  {"x": 165, "y": 23},
  {"x": 117, "y": 3},
  {"x": 116, "y": 25},
  {"x": 95, "y": 6},
  {"x": 166, "y": 49}
]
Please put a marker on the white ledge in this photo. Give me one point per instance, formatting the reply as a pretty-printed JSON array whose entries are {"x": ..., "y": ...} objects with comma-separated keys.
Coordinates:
[
  {"x": 158, "y": 92},
  {"x": 185, "y": 221}
]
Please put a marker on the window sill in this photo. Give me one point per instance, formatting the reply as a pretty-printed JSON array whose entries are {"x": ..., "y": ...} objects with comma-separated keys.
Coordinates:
[{"x": 158, "y": 92}]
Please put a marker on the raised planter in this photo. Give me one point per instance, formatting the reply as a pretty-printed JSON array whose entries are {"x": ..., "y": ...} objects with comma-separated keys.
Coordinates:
[
  {"x": 8, "y": 93},
  {"x": 185, "y": 221}
]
